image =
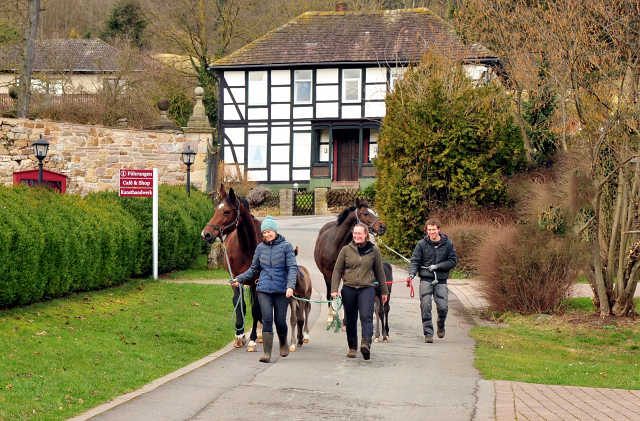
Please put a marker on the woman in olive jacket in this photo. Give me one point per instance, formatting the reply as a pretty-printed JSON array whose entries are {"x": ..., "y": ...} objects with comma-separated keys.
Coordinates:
[{"x": 359, "y": 265}]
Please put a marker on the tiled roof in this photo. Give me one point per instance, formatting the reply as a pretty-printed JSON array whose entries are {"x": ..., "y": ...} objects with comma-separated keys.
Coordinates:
[
  {"x": 396, "y": 36},
  {"x": 66, "y": 55}
]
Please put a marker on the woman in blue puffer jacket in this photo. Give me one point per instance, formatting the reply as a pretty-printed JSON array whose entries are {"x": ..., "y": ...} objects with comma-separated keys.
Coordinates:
[{"x": 275, "y": 260}]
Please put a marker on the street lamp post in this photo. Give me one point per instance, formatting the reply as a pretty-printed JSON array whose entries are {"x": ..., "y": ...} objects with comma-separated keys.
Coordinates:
[
  {"x": 188, "y": 157},
  {"x": 40, "y": 148}
]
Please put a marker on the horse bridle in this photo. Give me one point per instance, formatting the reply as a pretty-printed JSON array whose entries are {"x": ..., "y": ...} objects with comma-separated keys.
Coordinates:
[
  {"x": 221, "y": 229},
  {"x": 368, "y": 226}
]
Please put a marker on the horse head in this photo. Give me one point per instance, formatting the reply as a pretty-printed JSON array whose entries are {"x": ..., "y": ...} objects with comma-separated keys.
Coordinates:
[
  {"x": 367, "y": 216},
  {"x": 225, "y": 219}
]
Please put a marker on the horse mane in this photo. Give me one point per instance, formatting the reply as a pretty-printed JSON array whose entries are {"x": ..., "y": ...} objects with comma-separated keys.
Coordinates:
[
  {"x": 345, "y": 212},
  {"x": 241, "y": 199}
]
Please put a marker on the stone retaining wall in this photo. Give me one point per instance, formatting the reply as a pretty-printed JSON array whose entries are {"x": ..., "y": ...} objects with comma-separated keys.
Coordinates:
[{"x": 90, "y": 156}]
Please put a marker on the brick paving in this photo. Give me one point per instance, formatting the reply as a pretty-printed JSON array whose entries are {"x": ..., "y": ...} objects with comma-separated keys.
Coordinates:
[{"x": 528, "y": 401}]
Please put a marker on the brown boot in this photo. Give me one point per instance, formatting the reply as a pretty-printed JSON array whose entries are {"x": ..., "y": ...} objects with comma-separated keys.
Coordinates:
[
  {"x": 365, "y": 348},
  {"x": 284, "y": 347},
  {"x": 353, "y": 347},
  {"x": 267, "y": 344}
]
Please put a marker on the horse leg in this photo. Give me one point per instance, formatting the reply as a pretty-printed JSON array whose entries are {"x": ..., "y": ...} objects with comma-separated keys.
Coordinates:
[
  {"x": 376, "y": 311},
  {"x": 240, "y": 309},
  {"x": 293, "y": 321},
  {"x": 256, "y": 313},
  {"x": 305, "y": 336},
  {"x": 385, "y": 322},
  {"x": 300, "y": 321}
]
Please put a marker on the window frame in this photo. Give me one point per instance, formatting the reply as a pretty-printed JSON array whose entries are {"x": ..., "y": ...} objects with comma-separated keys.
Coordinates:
[
  {"x": 297, "y": 81},
  {"x": 345, "y": 80}
]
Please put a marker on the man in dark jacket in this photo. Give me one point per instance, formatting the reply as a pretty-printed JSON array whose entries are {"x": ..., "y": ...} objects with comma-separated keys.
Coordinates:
[{"x": 432, "y": 259}]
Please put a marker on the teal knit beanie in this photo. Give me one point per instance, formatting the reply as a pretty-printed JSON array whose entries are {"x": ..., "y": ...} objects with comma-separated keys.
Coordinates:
[{"x": 269, "y": 224}]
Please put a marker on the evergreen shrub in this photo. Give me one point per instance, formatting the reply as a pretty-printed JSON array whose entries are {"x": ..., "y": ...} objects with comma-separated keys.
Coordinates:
[
  {"x": 52, "y": 244},
  {"x": 444, "y": 140}
]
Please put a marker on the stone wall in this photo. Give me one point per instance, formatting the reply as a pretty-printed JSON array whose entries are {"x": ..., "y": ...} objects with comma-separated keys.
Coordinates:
[{"x": 90, "y": 156}]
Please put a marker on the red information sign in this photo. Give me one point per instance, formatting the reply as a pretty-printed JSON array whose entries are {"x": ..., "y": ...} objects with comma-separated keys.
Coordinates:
[{"x": 136, "y": 183}]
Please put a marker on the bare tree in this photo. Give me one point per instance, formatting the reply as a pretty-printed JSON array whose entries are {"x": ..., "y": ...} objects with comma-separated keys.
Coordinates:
[
  {"x": 592, "y": 49},
  {"x": 26, "y": 67}
]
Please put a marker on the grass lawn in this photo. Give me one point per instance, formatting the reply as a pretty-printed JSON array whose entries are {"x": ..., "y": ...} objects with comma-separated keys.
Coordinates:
[
  {"x": 575, "y": 348},
  {"x": 198, "y": 271},
  {"x": 63, "y": 357}
]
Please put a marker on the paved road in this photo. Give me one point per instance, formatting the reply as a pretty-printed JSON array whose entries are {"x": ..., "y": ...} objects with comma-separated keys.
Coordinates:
[{"x": 405, "y": 379}]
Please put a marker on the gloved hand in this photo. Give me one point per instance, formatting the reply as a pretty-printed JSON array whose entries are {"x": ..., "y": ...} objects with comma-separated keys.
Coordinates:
[{"x": 432, "y": 268}]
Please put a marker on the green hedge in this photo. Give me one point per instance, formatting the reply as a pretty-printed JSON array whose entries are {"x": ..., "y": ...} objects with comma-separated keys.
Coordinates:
[{"x": 52, "y": 244}]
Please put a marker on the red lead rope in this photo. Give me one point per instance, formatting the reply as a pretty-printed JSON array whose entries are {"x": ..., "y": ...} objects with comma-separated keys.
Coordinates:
[{"x": 409, "y": 285}]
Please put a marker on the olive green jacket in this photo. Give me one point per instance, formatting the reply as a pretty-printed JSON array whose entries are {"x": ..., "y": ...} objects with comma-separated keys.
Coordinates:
[{"x": 359, "y": 271}]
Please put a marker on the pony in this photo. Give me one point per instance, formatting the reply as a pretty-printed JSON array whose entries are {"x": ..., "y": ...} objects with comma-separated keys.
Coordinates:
[
  {"x": 337, "y": 234},
  {"x": 240, "y": 233},
  {"x": 380, "y": 309},
  {"x": 299, "y": 318}
]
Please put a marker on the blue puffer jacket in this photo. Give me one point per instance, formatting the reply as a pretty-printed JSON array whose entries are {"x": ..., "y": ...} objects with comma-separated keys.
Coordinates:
[{"x": 277, "y": 265}]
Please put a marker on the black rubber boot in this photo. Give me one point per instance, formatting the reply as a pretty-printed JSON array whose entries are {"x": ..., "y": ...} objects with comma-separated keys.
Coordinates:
[
  {"x": 353, "y": 347},
  {"x": 365, "y": 348},
  {"x": 267, "y": 344},
  {"x": 284, "y": 346}
]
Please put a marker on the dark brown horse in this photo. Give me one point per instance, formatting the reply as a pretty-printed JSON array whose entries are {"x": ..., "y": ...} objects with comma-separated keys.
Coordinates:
[
  {"x": 237, "y": 228},
  {"x": 380, "y": 309},
  {"x": 335, "y": 235},
  {"x": 300, "y": 309}
]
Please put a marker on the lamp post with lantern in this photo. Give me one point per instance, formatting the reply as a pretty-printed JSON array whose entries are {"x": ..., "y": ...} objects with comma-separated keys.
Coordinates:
[
  {"x": 40, "y": 148},
  {"x": 188, "y": 157}
]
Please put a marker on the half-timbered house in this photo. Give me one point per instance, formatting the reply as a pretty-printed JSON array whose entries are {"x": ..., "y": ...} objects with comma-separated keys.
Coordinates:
[{"x": 304, "y": 103}]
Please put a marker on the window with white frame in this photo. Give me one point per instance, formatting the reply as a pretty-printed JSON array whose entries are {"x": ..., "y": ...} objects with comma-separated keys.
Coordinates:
[
  {"x": 301, "y": 149},
  {"x": 257, "y": 148},
  {"x": 396, "y": 73},
  {"x": 42, "y": 86},
  {"x": 258, "y": 88},
  {"x": 302, "y": 80},
  {"x": 351, "y": 85}
]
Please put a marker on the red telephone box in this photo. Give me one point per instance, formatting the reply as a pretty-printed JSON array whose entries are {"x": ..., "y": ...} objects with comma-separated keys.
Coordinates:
[{"x": 49, "y": 178}]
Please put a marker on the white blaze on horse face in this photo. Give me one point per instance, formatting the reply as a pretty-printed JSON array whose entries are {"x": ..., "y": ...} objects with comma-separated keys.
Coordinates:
[
  {"x": 220, "y": 205},
  {"x": 372, "y": 212}
]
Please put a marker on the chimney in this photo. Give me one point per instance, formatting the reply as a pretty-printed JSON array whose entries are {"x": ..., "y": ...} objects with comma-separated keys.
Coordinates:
[{"x": 341, "y": 7}]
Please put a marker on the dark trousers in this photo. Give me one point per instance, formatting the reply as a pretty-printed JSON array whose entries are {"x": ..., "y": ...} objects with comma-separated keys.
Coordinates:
[
  {"x": 358, "y": 301},
  {"x": 274, "y": 310}
]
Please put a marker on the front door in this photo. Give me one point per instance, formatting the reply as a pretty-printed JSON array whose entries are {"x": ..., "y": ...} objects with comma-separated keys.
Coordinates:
[{"x": 347, "y": 145}]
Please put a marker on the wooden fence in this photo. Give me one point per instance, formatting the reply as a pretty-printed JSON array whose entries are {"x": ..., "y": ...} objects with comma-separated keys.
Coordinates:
[{"x": 6, "y": 101}]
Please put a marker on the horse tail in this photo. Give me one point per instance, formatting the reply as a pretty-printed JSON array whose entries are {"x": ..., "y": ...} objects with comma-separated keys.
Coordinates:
[{"x": 388, "y": 273}]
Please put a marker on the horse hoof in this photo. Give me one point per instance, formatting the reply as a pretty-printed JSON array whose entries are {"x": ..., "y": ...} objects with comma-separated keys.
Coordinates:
[
  {"x": 386, "y": 340},
  {"x": 251, "y": 347},
  {"x": 239, "y": 342},
  {"x": 292, "y": 348},
  {"x": 305, "y": 339},
  {"x": 376, "y": 340}
]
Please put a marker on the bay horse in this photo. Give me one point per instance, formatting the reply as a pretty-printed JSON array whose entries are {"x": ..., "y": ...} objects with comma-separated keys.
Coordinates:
[
  {"x": 240, "y": 233},
  {"x": 337, "y": 234},
  {"x": 300, "y": 309},
  {"x": 380, "y": 309}
]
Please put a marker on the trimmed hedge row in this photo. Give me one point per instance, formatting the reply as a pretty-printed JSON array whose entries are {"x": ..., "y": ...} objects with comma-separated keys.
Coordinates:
[{"x": 52, "y": 244}]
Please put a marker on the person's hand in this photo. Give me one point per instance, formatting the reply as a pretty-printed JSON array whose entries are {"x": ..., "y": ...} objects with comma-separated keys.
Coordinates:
[
  {"x": 289, "y": 292},
  {"x": 334, "y": 294},
  {"x": 384, "y": 298},
  {"x": 234, "y": 283},
  {"x": 432, "y": 268}
]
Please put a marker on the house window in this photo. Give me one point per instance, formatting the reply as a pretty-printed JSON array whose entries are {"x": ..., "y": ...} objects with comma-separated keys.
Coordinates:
[
  {"x": 351, "y": 85},
  {"x": 114, "y": 85},
  {"x": 42, "y": 86},
  {"x": 302, "y": 86},
  {"x": 396, "y": 73},
  {"x": 370, "y": 150},
  {"x": 301, "y": 149},
  {"x": 257, "y": 88},
  {"x": 257, "y": 145},
  {"x": 323, "y": 146}
]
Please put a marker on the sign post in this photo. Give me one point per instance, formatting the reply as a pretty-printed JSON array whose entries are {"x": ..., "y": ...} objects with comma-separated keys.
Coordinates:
[{"x": 143, "y": 183}]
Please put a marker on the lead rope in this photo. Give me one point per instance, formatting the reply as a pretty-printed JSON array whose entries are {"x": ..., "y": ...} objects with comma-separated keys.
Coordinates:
[
  {"x": 335, "y": 323},
  {"x": 242, "y": 292}
]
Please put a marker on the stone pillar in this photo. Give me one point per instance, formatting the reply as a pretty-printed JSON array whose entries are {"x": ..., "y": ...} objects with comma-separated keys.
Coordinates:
[
  {"x": 287, "y": 196},
  {"x": 320, "y": 201},
  {"x": 215, "y": 259},
  {"x": 201, "y": 137}
]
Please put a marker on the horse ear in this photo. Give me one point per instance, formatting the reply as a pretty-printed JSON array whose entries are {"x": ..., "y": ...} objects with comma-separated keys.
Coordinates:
[
  {"x": 232, "y": 195},
  {"x": 357, "y": 202},
  {"x": 223, "y": 192}
]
